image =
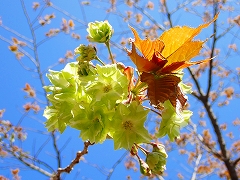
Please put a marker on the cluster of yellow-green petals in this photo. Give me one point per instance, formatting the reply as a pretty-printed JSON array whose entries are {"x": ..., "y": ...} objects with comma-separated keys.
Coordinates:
[
  {"x": 93, "y": 121},
  {"x": 86, "y": 102},
  {"x": 110, "y": 86},
  {"x": 172, "y": 121},
  {"x": 99, "y": 31},
  {"x": 128, "y": 126},
  {"x": 62, "y": 95}
]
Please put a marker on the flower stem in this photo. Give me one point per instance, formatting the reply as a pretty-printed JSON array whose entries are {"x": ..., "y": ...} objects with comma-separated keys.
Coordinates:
[
  {"x": 110, "y": 53},
  {"x": 99, "y": 60},
  {"x": 142, "y": 149}
]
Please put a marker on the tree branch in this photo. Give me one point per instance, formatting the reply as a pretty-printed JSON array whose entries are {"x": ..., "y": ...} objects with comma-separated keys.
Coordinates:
[
  {"x": 212, "y": 50},
  {"x": 236, "y": 161},
  {"x": 168, "y": 13},
  {"x": 40, "y": 74},
  {"x": 37, "y": 168},
  {"x": 69, "y": 168}
]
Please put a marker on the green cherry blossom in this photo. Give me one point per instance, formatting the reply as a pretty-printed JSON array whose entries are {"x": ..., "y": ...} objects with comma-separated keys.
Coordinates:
[
  {"x": 93, "y": 120},
  {"x": 172, "y": 122},
  {"x": 110, "y": 86},
  {"x": 128, "y": 126},
  {"x": 99, "y": 31}
]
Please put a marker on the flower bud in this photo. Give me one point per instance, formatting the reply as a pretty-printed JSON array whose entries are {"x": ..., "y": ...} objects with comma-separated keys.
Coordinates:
[
  {"x": 144, "y": 168},
  {"x": 86, "y": 53},
  {"x": 134, "y": 150},
  {"x": 99, "y": 31},
  {"x": 156, "y": 162}
]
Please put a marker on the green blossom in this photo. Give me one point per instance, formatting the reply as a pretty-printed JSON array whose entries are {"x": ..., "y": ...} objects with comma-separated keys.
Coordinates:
[
  {"x": 93, "y": 120},
  {"x": 65, "y": 94},
  {"x": 172, "y": 122},
  {"x": 58, "y": 116},
  {"x": 110, "y": 86},
  {"x": 99, "y": 31},
  {"x": 128, "y": 126},
  {"x": 86, "y": 53}
]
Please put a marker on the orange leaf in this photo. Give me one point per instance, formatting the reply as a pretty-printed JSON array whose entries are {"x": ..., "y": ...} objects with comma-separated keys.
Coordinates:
[
  {"x": 172, "y": 51},
  {"x": 178, "y": 66},
  {"x": 146, "y": 46},
  {"x": 143, "y": 64},
  {"x": 175, "y": 37}
]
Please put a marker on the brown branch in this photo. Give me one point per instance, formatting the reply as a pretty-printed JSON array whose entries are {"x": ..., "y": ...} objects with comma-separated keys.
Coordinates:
[
  {"x": 206, "y": 146},
  {"x": 236, "y": 162},
  {"x": 230, "y": 166},
  {"x": 201, "y": 94},
  {"x": 56, "y": 148},
  {"x": 69, "y": 168},
  {"x": 210, "y": 71}
]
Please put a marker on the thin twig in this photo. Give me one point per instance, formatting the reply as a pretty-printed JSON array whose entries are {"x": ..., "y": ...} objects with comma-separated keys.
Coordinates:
[
  {"x": 194, "y": 174},
  {"x": 16, "y": 33},
  {"x": 168, "y": 13},
  {"x": 149, "y": 17},
  {"x": 116, "y": 164}
]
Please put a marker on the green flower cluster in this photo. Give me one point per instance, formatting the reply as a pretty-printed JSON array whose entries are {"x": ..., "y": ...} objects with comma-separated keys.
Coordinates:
[
  {"x": 63, "y": 93},
  {"x": 94, "y": 105},
  {"x": 173, "y": 121},
  {"x": 103, "y": 101}
]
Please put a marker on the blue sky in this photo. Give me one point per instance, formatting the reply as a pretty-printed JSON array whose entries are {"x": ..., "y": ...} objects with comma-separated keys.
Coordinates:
[{"x": 13, "y": 78}]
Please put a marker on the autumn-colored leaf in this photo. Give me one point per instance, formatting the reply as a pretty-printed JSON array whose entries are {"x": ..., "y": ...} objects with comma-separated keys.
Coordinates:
[
  {"x": 162, "y": 58},
  {"x": 129, "y": 72},
  {"x": 143, "y": 64},
  {"x": 174, "y": 45},
  {"x": 163, "y": 88},
  {"x": 146, "y": 46}
]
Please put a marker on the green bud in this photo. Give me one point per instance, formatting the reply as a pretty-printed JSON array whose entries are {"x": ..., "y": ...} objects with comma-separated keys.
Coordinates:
[
  {"x": 86, "y": 53},
  {"x": 156, "y": 162},
  {"x": 99, "y": 31},
  {"x": 144, "y": 168}
]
